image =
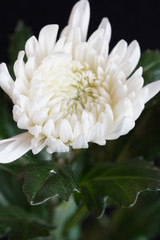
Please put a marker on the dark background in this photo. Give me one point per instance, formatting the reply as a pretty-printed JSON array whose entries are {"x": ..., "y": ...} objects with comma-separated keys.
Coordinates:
[{"x": 129, "y": 19}]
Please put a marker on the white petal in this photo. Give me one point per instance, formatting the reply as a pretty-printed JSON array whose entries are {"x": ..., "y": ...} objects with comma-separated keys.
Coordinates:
[
  {"x": 121, "y": 127},
  {"x": 47, "y": 39},
  {"x": 123, "y": 108},
  {"x": 79, "y": 17},
  {"x": 37, "y": 145},
  {"x": 85, "y": 123},
  {"x": 64, "y": 130},
  {"x": 153, "y": 89},
  {"x": 80, "y": 51},
  {"x": 6, "y": 82},
  {"x": 135, "y": 84},
  {"x": 136, "y": 81},
  {"x": 31, "y": 66},
  {"x": 80, "y": 142},
  {"x": 118, "y": 52},
  {"x": 15, "y": 147},
  {"x": 39, "y": 117},
  {"x": 17, "y": 111},
  {"x": 132, "y": 56},
  {"x": 118, "y": 92},
  {"x": 77, "y": 129},
  {"x": 22, "y": 101},
  {"x": 138, "y": 107},
  {"x": 74, "y": 37},
  {"x": 20, "y": 86},
  {"x": 105, "y": 24},
  {"x": 106, "y": 119},
  {"x": 23, "y": 121},
  {"x": 59, "y": 46},
  {"x": 35, "y": 131},
  {"x": 96, "y": 133},
  {"x": 19, "y": 65},
  {"x": 49, "y": 128},
  {"x": 99, "y": 42},
  {"x": 56, "y": 145},
  {"x": 31, "y": 46}
]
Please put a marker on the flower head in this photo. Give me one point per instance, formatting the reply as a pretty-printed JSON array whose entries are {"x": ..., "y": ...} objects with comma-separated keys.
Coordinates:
[{"x": 71, "y": 91}]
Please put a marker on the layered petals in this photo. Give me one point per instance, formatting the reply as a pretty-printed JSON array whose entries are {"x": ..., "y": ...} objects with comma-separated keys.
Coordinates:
[
  {"x": 79, "y": 17},
  {"x": 71, "y": 91},
  {"x": 6, "y": 82}
]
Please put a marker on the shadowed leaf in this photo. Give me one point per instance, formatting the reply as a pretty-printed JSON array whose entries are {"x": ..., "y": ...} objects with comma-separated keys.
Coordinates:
[
  {"x": 120, "y": 182},
  {"x": 44, "y": 180}
]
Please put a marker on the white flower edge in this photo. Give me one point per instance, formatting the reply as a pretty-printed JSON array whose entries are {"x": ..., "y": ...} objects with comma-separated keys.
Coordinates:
[{"x": 15, "y": 147}]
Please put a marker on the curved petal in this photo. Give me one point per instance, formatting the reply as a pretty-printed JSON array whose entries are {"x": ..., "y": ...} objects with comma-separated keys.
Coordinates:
[
  {"x": 47, "y": 39},
  {"x": 106, "y": 26},
  {"x": 118, "y": 52},
  {"x": 131, "y": 58},
  {"x": 6, "y": 82},
  {"x": 123, "y": 108},
  {"x": 37, "y": 145},
  {"x": 99, "y": 42},
  {"x": 72, "y": 37},
  {"x": 19, "y": 65},
  {"x": 64, "y": 130},
  {"x": 80, "y": 16},
  {"x": 96, "y": 134},
  {"x": 121, "y": 127},
  {"x": 31, "y": 46},
  {"x": 136, "y": 81},
  {"x": 13, "y": 148},
  {"x": 80, "y": 142},
  {"x": 56, "y": 145},
  {"x": 138, "y": 107},
  {"x": 153, "y": 89}
]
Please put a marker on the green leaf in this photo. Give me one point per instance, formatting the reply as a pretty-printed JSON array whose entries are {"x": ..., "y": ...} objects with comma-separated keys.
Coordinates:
[
  {"x": 10, "y": 190},
  {"x": 145, "y": 140},
  {"x": 8, "y": 127},
  {"x": 120, "y": 182},
  {"x": 150, "y": 61},
  {"x": 131, "y": 223},
  {"x": 44, "y": 180},
  {"x": 18, "y": 224}
]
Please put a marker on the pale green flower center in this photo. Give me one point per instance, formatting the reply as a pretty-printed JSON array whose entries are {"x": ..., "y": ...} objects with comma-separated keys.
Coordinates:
[{"x": 70, "y": 83}]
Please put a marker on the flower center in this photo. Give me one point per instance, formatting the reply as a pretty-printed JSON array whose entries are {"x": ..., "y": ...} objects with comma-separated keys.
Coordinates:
[{"x": 66, "y": 83}]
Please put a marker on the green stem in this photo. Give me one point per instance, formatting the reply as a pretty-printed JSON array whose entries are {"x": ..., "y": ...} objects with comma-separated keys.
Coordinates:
[{"x": 77, "y": 218}]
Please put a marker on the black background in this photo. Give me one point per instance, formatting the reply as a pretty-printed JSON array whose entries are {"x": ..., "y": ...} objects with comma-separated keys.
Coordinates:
[{"x": 129, "y": 19}]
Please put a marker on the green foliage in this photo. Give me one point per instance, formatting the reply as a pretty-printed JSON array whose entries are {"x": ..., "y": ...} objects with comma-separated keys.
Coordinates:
[
  {"x": 18, "y": 224},
  {"x": 120, "y": 182},
  {"x": 44, "y": 180},
  {"x": 142, "y": 221},
  {"x": 150, "y": 61},
  {"x": 7, "y": 125}
]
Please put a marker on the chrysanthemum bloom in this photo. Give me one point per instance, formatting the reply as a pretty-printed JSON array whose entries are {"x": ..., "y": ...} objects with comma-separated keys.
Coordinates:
[{"x": 71, "y": 91}]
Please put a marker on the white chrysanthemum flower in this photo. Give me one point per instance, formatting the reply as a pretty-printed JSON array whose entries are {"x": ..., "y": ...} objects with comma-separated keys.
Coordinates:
[{"x": 71, "y": 91}]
